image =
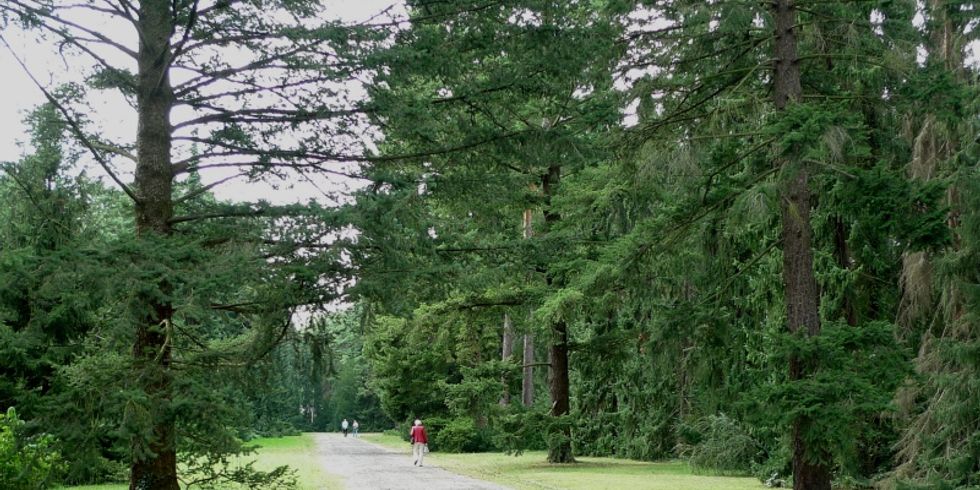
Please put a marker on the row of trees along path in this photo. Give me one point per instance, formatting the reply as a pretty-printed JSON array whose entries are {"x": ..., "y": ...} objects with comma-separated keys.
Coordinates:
[{"x": 480, "y": 111}]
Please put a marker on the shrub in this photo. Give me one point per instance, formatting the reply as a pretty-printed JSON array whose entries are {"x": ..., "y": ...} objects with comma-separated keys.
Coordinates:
[
  {"x": 26, "y": 463},
  {"x": 522, "y": 430},
  {"x": 719, "y": 443},
  {"x": 461, "y": 436},
  {"x": 433, "y": 426}
]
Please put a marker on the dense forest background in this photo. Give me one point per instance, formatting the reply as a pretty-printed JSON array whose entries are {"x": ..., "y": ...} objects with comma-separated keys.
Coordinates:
[{"x": 746, "y": 234}]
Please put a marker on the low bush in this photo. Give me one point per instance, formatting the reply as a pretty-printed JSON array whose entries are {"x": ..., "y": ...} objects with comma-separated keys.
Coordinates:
[
  {"x": 26, "y": 463},
  {"x": 719, "y": 443},
  {"x": 461, "y": 435},
  {"x": 522, "y": 430}
]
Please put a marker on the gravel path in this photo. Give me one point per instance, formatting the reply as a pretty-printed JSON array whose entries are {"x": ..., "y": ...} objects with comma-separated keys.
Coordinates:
[{"x": 371, "y": 467}]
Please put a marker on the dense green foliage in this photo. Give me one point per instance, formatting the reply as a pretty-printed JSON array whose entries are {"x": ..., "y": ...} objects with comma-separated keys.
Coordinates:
[
  {"x": 69, "y": 272},
  {"x": 660, "y": 247},
  {"x": 612, "y": 185},
  {"x": 25, "y": 462}
]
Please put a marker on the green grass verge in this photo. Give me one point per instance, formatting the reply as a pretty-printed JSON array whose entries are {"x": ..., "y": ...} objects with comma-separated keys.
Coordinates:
[
  {"x": 298, "y": 452},
  {"x": 529, "y": 471}
]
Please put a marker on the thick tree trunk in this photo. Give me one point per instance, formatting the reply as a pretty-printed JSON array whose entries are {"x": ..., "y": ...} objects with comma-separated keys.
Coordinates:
[
  {"x": 560, "y": 450},
  {"x": 802, "y": 315},
  {"x": 506, "y": 352},
  {"x": 155, "y": 461},
  {"x": 810, "y": 471}
]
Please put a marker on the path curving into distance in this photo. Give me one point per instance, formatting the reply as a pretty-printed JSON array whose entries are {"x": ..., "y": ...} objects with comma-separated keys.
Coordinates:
[{"x": 367, "y": 466}]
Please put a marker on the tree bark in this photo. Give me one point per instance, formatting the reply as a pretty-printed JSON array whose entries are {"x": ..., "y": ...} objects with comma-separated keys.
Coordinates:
[
  {"x": 317, "y": 416},
  {"x": 562, "y": 451},
  {"x": 810, "y": 471},
  {"x": 527, "y": 383},
  {"x": 506, "y": 352},
  {"x": 559, "y": 450},
  {"x": 154, "y": 463}
]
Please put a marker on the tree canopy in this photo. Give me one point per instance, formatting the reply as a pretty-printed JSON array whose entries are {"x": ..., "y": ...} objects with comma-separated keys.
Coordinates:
[{"x": 743, "y": 234}]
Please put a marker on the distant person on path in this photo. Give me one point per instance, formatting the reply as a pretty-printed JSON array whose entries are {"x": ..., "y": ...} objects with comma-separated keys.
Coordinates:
[
  {"x": 355, "y": 426},
  {"x": 420, "y": 442},
  {"x": 343, "y": 427}
]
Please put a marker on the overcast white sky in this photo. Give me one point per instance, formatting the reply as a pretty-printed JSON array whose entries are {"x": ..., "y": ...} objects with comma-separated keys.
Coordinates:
[{"x": 116, "y": 119}]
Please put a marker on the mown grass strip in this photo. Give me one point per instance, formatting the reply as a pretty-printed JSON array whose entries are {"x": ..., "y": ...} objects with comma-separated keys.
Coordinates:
[
  {"x": 529, "y": 471},
  {"x": 298, "y": 452}
]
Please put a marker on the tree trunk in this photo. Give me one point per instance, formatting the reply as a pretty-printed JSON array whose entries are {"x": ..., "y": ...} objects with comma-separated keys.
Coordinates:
[
  {"x": 560, "y": 448},
  {"x": 317, "y": 416},
  {"x": 154, "y": 463},
  {"x": 527, "y": 383},
  {"x": 506, "y": 352},
  {"x": 810, "y": 471},
  {"x": 560, "y": 452}
]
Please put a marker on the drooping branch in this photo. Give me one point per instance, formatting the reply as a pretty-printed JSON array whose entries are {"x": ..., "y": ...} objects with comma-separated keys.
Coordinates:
[
  {"x": 318, "y": 166},
  {"x": 242, "y": 212},
  {"x": 237, "y": 150},
  {"x": 248, "y": 213},
  {"x": 264, "y": 116}
]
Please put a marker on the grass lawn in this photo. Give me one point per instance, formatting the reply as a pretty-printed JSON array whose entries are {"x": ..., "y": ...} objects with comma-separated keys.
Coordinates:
[
  {"x": 530, "y": 471},
  {"x": 298, "y": 452}
]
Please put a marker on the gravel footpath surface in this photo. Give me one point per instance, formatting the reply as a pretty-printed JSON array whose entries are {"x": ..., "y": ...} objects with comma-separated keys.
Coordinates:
[{"x": 371, "y": 467}]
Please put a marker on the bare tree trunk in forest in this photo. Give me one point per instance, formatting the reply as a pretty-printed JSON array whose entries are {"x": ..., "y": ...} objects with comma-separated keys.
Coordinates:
[
  {"x": 527, "y": 381},
  {"x": 154, "y": 465},
  {"x": 316, "y": 381},
  {"x": 506, "y": 352},
  {"x": 561, "y": 451},
  {"x": 799, "y": 281}
]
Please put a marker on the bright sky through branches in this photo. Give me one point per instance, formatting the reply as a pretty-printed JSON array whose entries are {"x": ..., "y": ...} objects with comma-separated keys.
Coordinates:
[{"x": 112, "y": 116}]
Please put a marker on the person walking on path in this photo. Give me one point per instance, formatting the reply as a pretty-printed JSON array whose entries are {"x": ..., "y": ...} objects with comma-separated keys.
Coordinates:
[
  {"x": 354, "y": 426},
  {"x": 420, "y": 442},
  {"x": 343, "y": 427}
]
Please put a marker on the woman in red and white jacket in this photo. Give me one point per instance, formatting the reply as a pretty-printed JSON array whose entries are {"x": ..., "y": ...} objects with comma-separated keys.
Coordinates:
[{"x": 420, "y": 441}]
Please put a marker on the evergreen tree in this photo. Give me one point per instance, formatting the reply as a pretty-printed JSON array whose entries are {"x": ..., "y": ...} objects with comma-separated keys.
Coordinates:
[
  {"x": 258, "y": 81},
  {"x": 497, "y": 103},
  {"x": 937, "y": 309}
]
